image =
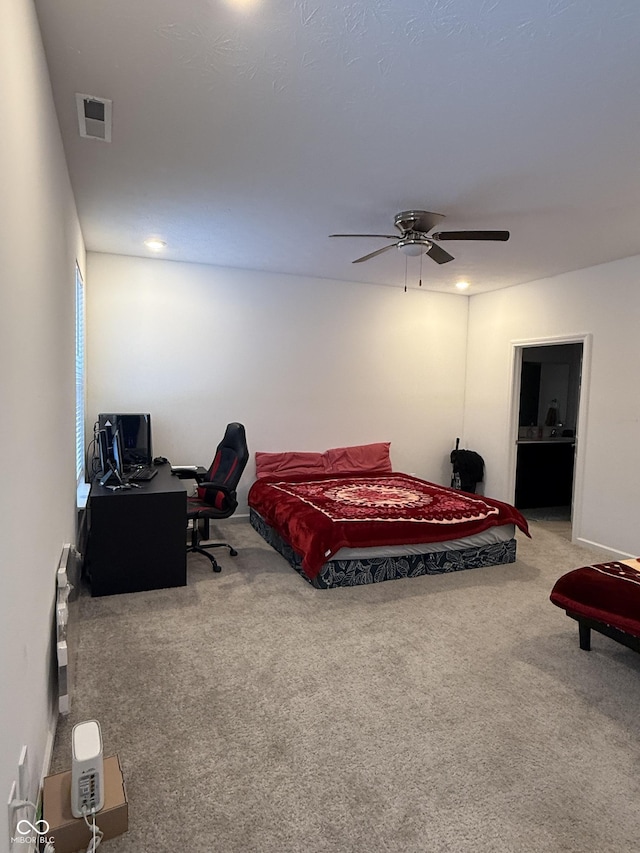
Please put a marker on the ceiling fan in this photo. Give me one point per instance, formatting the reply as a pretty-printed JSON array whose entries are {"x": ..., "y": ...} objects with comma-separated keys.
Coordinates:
[{"x": 414, "y": 227}]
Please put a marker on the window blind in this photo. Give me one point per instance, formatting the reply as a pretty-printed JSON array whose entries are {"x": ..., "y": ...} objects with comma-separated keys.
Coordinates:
[{"x": 80, "y": 376}]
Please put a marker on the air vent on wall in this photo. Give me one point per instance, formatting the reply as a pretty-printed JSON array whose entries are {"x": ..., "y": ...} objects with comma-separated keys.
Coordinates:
[{"x": 94, "y": 117}]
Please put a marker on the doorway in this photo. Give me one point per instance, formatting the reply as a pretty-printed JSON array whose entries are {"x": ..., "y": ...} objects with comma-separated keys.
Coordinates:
[{"x": 547, "y": 419}]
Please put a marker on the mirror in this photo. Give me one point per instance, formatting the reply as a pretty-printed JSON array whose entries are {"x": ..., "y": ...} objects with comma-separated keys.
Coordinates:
[{"x": 550, "y": 374}]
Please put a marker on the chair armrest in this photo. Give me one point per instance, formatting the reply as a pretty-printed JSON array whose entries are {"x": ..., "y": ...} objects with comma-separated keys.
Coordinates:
[
  {"x": 189, "y": 472},
  {"x": 230, "y": 498},
  {"x": 218, "y": 487}
]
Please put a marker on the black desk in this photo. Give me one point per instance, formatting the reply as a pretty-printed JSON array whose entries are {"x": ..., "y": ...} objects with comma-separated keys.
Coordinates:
[{"x": 137, "y": 537}]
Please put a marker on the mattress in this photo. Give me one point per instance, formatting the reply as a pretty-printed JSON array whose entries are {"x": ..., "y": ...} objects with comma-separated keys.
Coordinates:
[
  {"x": 358, "y": 566},
  {"x": 486, "y": 537}
]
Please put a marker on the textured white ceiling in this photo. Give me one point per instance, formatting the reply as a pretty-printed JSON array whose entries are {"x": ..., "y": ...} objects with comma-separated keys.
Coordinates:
[{"x": 244, "y": 134}]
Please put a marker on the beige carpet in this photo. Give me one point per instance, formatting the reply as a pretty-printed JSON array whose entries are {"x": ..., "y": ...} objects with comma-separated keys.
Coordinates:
[{"x": 255, "y": 714}]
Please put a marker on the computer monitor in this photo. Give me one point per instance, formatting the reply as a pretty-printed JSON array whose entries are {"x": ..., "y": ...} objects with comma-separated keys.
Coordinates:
[
  {"x": 135, "y": 435},
  {"x": 110, "y": 459},
  {"x": 118, "y": 454},
  {"x": 112, "y": 472},
  {"x": 102, "y": 441}
]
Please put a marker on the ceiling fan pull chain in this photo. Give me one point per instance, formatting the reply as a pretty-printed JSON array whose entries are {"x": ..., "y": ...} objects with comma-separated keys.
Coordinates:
[
  {"x": 406, "y": 262},
  {"x": 420, "y": 282}
]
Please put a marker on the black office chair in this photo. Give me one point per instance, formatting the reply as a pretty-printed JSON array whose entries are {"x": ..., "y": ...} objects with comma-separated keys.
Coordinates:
[{"x": 217, "y": 491}]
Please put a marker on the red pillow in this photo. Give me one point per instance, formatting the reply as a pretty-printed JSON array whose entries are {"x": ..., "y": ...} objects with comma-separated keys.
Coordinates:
[
  {"x": 289, "y": 463},
  {"x": 358, "y": 457}
]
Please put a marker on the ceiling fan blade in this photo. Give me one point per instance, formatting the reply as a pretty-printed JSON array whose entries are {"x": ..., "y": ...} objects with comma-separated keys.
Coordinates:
[
  {"x": 471, "y": 235},
  {"x": 438, "y": 254},
  {"x": 388, "y": 236},
  {"x": 373, "y": 254}
]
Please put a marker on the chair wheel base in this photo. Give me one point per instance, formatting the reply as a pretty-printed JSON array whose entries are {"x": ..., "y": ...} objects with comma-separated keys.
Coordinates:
[
  {"x": 196, "y": 549},
  {"x": 233, "y": 552}
]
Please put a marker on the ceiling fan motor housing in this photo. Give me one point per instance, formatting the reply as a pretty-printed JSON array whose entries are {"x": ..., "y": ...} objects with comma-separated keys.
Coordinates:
[{"x": 417, "y": 220}]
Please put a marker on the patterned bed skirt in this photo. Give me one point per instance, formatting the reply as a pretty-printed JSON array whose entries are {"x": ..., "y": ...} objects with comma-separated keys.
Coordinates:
[{"x": 376, "y": 569}]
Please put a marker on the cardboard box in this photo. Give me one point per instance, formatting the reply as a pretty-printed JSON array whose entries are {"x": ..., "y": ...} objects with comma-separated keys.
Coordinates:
[{"x": 70, "y": 833}]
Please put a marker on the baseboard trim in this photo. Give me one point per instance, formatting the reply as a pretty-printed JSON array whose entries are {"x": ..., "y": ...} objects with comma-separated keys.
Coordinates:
[
  {"x": 237, "y": 516},
  {"x": 48, "y": 748},
  {"x": 615, "y": 554}
]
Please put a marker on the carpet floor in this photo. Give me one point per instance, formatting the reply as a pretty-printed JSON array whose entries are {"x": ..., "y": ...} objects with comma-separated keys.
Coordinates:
[{"x": 444, "y": 714}]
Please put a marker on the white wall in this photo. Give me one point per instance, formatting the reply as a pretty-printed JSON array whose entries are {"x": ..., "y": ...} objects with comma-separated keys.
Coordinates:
[
  {"x": 305, "y": 364},
  {"x": 39, "y": 241},
  {"x": 602, "y": 301}
]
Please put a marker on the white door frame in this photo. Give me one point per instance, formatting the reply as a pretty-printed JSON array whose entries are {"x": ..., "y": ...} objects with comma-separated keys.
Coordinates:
[{"x": 517, "y": 346}]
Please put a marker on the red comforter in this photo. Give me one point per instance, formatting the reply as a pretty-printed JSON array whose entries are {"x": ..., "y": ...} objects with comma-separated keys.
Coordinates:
[
  {"x": 606, "y": 592},
  {"x": 318, "y": 517}
]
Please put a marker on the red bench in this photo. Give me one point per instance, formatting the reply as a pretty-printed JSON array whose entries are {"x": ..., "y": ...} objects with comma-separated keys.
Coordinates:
[{"x": 604, "y": 597}]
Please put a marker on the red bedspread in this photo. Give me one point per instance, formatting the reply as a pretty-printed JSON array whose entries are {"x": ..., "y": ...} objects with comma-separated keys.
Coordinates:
[
  {"x": 607, "y": 592},
  {"x": 318, "y": 517}
]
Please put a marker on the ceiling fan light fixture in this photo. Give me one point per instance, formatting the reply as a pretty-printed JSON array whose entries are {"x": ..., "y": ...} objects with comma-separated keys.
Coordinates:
[{"x": 413, "y": 248}]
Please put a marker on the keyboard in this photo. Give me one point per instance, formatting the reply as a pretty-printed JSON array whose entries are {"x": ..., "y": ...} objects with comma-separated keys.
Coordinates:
[{"x": 147, "y": 472}]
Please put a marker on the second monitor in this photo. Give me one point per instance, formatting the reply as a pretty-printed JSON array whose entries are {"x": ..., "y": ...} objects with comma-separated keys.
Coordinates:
[{"x": 135, "y": 435}]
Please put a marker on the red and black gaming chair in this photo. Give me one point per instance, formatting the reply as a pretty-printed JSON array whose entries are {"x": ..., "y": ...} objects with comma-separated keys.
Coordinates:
[{"x": 216, "y": 496}]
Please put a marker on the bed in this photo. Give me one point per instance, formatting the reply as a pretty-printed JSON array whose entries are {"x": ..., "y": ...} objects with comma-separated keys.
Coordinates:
[{"x": 345, "y": 518}]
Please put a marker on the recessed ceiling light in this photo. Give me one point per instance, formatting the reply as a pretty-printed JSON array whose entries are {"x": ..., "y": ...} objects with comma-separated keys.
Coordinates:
[
  {"x": 243, "y": 5},
  {"x": 462, "y": 285},
  {"x": 155, "y": 244}
]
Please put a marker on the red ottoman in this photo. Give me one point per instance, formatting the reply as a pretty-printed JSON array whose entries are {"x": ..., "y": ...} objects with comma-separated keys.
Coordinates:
[{"x": 605, "y": 597}]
